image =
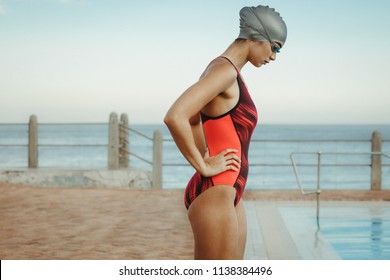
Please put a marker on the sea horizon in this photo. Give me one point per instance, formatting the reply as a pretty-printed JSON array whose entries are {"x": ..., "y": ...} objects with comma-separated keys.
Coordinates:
[{"x": 84, "y": 146}]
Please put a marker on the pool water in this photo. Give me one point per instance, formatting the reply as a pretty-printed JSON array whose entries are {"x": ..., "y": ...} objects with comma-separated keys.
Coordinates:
[
  {"x": 348, "y": 230},
  {"x": 358, "y": 239}
]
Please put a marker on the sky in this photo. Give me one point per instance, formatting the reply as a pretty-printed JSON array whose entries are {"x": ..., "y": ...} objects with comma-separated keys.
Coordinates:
[{"x": 79, "y": 60}]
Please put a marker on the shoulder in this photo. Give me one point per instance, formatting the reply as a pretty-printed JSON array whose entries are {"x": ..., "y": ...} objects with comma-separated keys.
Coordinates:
[{"x": 220, "y": 68}]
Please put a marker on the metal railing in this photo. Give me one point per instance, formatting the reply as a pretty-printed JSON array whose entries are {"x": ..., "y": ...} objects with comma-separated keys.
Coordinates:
[
  {"x": 319, "y": 154},
  {"x": 119, "y": 148},
  {"x": 129, "y": 152}
]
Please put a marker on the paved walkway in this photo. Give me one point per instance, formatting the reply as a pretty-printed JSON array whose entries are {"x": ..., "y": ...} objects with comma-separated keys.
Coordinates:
[{"x": 85, "y": 223}]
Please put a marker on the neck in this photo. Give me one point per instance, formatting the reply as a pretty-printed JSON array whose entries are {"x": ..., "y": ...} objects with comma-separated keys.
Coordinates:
[{"x": 237, "y": 52}]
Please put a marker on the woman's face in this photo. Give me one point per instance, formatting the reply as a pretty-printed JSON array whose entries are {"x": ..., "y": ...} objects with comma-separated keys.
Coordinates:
[{"x": 262, "y": 53}]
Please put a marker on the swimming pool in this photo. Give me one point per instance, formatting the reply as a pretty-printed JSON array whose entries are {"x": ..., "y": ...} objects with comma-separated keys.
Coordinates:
[
  {"x": 348, "y": 230},
  {"x": 363, "y": 239}
]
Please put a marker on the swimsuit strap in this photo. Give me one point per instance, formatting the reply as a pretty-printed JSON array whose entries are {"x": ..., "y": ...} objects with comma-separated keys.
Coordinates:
[{"x": 231, "y": 63}]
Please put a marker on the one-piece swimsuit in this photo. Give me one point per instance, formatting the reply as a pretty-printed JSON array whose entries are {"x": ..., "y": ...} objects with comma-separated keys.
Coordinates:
[{"x": 234, "y": 130}]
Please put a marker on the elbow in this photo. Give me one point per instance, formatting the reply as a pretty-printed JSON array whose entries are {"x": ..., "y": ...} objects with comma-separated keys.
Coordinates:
[
  {"x": 170, "y": 119},
  {"x": 175, "y": 120}
]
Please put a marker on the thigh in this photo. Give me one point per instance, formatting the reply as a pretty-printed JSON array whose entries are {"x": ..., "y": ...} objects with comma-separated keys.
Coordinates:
[
  {"x": 213, "y": 197},
  {"x": 242, "y": 229},
  {"x": 214, "y": 223}
]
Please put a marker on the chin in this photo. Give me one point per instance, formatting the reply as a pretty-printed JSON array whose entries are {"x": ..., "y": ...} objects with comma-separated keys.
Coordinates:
[{"x": 257, "y": 64}]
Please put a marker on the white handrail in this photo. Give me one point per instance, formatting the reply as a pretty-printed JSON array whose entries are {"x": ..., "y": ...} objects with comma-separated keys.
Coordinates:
[{"x": 318, "y": 190}]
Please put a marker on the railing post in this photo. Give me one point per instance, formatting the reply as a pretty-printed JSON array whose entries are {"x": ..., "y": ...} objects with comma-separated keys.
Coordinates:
[
  {"x": 318, "y": 186},
  {"x": 113, "y": 142},
  {"x": 376, "y": 161},
  {"x": 157, "y": 160},
  {"x": 124, "y": 142},
  {"x": 33, "y": 142}
]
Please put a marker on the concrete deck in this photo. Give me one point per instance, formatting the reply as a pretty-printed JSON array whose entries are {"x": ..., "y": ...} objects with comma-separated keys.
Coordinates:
[{"x": 104, "y": 224}]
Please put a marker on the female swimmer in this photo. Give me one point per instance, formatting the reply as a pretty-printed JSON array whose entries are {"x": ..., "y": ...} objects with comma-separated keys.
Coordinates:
[{"x": 212, "y": 124}]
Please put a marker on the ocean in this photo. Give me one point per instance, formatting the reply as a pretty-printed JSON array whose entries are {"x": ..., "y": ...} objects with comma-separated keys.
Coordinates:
[{"x": 84, "y": 146}]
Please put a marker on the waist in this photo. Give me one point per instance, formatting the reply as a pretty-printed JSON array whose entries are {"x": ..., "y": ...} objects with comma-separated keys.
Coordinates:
[{"x": 221, "y": 134}]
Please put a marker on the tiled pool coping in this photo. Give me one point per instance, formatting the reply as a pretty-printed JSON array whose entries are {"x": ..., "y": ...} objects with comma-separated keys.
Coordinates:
[{"x": 288, "y": 229}]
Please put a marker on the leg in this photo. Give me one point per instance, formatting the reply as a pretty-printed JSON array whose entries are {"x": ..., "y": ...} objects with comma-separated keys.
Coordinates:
[
  {"x": 242, "y": 225},
  {"x": 214, "y": 223}
]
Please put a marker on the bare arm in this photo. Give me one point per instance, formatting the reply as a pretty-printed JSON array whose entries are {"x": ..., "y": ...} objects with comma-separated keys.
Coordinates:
[
  {"x": 197, "y": 132},
  {"x": 183, "y": 121}
]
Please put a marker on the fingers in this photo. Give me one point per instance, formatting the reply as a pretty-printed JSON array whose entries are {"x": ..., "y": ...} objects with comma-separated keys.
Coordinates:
[
  {"x": 233, "y": 165},
  {"x": 233, "y": 157},
  {"x": 231, "y": 154},
  {"x": 228, "y": 151},
  {"x": 232, "y": 161},
  {"x": 223, "y": 161}
]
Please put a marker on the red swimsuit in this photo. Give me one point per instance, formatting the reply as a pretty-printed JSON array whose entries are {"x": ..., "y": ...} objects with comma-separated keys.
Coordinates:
[{"x": 230, "y": 130}]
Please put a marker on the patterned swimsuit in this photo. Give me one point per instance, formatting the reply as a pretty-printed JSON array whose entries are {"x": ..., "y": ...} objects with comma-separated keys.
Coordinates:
[{"x": 230, "y": 130}]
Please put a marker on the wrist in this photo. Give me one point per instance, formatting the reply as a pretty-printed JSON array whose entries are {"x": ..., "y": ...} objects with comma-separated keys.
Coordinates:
[{"x": 203, "y": 170}]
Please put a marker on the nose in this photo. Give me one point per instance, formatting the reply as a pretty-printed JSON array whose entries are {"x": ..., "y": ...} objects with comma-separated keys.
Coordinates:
[{"x": 273, "y": 56}]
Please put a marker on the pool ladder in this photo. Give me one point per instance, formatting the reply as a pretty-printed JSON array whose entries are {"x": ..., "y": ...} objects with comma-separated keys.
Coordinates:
[{"x": 317, "y": 191}]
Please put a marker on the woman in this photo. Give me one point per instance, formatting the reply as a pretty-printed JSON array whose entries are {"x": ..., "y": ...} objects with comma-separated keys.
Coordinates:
[{"x": 212, "y": 123}]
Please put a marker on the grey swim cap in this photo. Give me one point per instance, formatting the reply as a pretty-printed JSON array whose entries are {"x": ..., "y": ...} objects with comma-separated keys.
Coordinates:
[{"x": 262, "y": 24}]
